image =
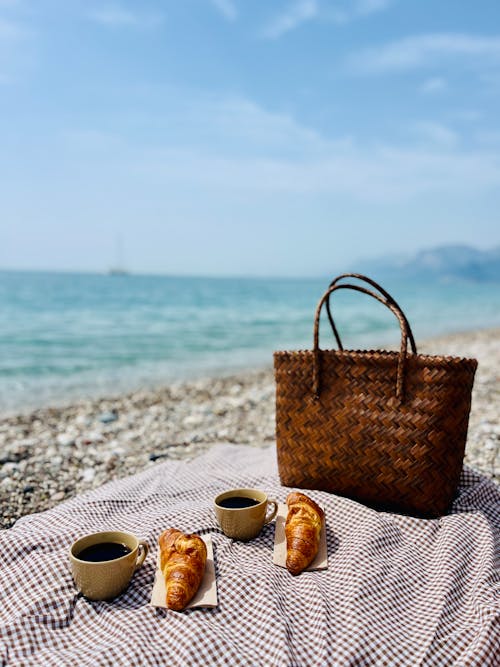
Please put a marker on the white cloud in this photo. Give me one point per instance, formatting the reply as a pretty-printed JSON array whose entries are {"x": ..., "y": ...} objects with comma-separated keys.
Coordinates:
[
  {"x": 246, "y": 148},
  {"x": 422, "y": 50},
  {"x": 296, "y": 14},
  {"x": 384, "y": 174},
  {"x": 467, "y": 115},
  {"x": 436, "y": 134},
  {"x": 116, "y": 16},
  {"x": 227, "y": 8},
  {"x": 301, "y": 11},
  {"x": 352, "y": 11},
  {"x": 435, "y": 84},
  {"x": 365, "y": 7},
  {"x": 250, "y": 126}
]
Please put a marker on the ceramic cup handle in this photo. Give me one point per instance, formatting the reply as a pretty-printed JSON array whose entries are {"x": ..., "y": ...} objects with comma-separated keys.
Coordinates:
[
  {"x": 274, "y": 511},
  {"x": 142, "y": 552}
]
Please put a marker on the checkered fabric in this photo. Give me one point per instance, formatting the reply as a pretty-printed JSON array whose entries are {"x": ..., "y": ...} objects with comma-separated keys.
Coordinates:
[{"x": 398, "y": 590}]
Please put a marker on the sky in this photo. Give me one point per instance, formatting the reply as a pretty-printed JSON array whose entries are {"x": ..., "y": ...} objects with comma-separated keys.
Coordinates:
[{"x": 246, "y": 137}]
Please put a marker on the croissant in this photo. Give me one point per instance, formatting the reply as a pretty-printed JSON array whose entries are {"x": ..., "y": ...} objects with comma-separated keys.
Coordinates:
[
  {"x": 302, "y": 530},
  {"x": 182, "y": 562}
]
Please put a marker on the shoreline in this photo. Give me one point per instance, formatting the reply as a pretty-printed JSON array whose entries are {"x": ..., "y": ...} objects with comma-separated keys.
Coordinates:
[
  {"x": 51, "y": 454},
  {"x": 84, "y": 397}
]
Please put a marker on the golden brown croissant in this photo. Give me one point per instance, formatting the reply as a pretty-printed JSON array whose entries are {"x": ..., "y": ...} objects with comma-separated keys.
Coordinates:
[
  {"x": 182, "y": 562},
  {"x": 302, "y": 530}
]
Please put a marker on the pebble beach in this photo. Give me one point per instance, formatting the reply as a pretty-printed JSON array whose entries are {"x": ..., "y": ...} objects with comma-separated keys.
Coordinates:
[{"x": 51, "y": 454}]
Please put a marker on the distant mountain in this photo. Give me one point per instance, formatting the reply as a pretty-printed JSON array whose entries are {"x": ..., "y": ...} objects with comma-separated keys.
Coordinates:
[{"x": 443, "y": 263}]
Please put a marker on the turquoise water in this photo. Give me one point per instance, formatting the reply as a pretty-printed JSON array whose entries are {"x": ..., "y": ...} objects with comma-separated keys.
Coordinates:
[{"x": 64, "y": 336}]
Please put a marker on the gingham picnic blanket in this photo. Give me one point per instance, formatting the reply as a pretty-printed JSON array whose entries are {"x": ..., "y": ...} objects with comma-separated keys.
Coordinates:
[{"x": 397, "y": 591}]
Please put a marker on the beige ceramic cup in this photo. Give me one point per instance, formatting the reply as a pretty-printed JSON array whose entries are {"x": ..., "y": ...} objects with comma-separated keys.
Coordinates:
[
  {"x": 106, "y": 579},
  {"x": 244, "y": 523}
]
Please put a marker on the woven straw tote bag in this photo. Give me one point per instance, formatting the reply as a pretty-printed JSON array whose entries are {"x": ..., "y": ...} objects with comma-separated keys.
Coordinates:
[{"x": 385, "y": 428}]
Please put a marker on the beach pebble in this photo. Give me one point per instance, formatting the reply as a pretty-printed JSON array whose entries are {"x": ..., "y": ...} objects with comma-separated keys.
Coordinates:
[
  {"x": 83, "y": 420},
  {"x": 88, "y": 475},
  {"x": 57, "y": 497},
  {"x": 111, "y": 462},
  {"x": 65, "y": 440},
  {"x": 27, "y": 443},
  {"x": 92, "y": 436},
  {"x": 192, "y": 420},
  {"x": 9, "y": 467},
  {"x": 108, "y": 417},
  {"x": 56, "y": 463}
]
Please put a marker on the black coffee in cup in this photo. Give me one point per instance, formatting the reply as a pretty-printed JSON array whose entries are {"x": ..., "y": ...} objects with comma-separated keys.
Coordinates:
[
  {"x": 102, "y": 551},
  {"x": 237, "y": 502}
]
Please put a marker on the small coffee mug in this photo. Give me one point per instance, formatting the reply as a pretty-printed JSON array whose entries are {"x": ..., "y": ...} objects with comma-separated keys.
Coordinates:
[
  {"x": 103, "y": 563},
  {"x": 242, "y": 513}
]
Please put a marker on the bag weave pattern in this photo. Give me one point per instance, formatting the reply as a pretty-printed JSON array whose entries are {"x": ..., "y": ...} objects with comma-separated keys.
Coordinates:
[{"x": 357, "y": 438}]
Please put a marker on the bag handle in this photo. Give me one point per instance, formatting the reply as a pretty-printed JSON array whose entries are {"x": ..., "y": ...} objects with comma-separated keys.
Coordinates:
[
  {"x": 359, "y": 276},
  {"x": 393, "y": 306}
]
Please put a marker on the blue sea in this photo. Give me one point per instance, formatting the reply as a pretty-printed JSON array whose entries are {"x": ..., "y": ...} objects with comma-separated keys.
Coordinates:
[{"x": 68, "y": 336}]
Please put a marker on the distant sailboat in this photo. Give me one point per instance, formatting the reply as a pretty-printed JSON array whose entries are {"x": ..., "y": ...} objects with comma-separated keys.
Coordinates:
[{"x": 119, "y": 267}]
